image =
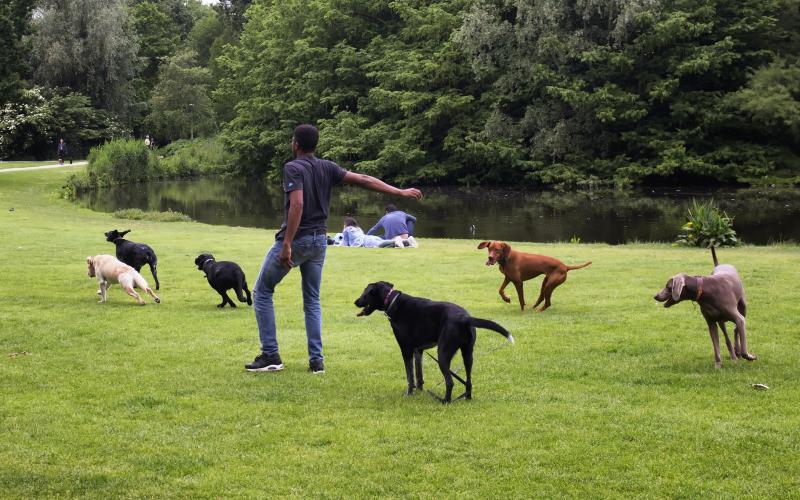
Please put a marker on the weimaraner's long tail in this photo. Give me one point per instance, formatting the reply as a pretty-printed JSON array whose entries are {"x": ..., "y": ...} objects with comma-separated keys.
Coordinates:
[{"x": 714, "y": 255}]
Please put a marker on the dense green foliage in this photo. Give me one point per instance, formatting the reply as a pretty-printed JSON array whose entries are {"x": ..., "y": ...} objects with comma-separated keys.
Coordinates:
[
  {"x": 90, "y": 47},
  {"x": 523, "y": 92},
  {"x": 15, "y": 21},
  {"x": 121, "y": 161},
  {"x": 180, "y": 105},
  {"x": 31, "y": 126},
  {"x": 565, "y": 93},
  {"x": 191, "y": 158},
  {"x": 138, "y": 214},
  {"x": 384, "y": 82},
  {"x": 128, "y": 161},
  {"x": 707, "y": 226}
]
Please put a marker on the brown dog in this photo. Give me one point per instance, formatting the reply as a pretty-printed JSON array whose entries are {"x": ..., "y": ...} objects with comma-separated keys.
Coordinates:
[{"x": 519, "y": 266}]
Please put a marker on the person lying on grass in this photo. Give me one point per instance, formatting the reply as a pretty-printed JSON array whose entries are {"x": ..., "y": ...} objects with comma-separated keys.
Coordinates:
[{"x": 302, "y": 241}]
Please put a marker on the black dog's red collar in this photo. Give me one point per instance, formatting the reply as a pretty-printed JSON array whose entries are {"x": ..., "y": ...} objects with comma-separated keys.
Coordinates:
[{"x": 390, "y": 303}]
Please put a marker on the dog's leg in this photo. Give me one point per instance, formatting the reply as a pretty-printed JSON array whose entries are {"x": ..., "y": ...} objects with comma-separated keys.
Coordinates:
[
  {"x": 740, "y": 332},
  {"x": 541, "y": 292},
  {"x": 154, "y": 273},
  {"x": 502, "y": 290},
  {"x": 731, "y": 350},
  {"x": 466, "y": 354},
  {"x": 520, "y": 294},
  {"x": 445, "y": 357},
  {"x": 418, "y": 369},
  {"x": 225, "y": 299},
  {"x": 238, "y": 291},
  {"x": 102, "y": 290},
  {"x": 126, "y": 281},
  {"x": 408, "y": 359},
  {"x": 552, "y": 283},
  {"x": 712, "y": 330},
  {"x": 156, "y": 298},
  {"x": 247, "y": 292}
]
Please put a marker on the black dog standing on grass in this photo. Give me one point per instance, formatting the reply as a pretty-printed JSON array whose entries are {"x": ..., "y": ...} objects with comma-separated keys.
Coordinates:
[
  {"x": 419, "y": 324},
  {"x": 222, "y": 276},
  {"x": 135, "y": 255}
]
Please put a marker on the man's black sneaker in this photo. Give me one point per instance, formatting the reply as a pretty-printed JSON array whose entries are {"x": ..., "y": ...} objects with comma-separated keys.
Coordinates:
[
  {"x": 316, "y": 366},
  {"x": 265, "y": 363}
]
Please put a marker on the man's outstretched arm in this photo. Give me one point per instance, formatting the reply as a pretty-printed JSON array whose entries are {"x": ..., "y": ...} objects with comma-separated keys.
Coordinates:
[{"x": 368, "y": 182}]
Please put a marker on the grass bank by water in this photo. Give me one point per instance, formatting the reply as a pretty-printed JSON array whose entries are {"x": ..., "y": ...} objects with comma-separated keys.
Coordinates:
[{"x": 605, "y": 394}]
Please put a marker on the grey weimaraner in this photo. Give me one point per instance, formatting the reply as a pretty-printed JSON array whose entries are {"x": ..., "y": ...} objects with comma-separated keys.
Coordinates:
[{"x": 721, "y": 299}]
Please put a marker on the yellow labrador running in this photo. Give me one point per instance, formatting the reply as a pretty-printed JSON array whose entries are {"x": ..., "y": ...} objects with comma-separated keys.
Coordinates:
[{"x": 108, "y": 269}]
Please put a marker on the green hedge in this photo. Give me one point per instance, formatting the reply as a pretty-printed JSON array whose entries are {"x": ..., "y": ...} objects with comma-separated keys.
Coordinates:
[
  {"x": 129, "y": 161},
  {"x": 121, "y": 161}
]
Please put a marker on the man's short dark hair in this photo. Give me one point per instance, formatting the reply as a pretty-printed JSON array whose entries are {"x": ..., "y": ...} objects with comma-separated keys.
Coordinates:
[
  {"x": 350, "y": 222},
  {"x": 306, "y": 136},
  {"x": 390, "y": 208}
]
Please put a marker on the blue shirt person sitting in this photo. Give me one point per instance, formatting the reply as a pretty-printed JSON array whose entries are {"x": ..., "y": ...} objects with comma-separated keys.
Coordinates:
[
  {"x": 396, "y": 224},
  {"x": 353, "y": 236}
]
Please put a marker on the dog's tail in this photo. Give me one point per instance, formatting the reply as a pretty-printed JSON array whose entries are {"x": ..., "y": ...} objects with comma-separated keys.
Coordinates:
[
  {"x": 141, "y": 283},
  {"x": 714, "y": 256},
  {"x": 579, "y": 266},
  {"x": 491, "y": 325}
]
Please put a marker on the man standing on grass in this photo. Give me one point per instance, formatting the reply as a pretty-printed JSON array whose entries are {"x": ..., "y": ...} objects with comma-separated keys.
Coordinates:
[{"x": 302, "y": 242}]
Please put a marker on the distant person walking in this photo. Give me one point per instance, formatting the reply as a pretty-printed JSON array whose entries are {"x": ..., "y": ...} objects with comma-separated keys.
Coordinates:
[
  {"x": 396, "y": 224},
  {"x": 302, "y": 242},
  {"x": 61, "y": 151},
  {"x": 147, "y": 141}
]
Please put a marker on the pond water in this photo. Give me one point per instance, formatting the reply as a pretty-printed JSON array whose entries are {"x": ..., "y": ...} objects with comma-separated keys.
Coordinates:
[{"x": 761, "y": 216}]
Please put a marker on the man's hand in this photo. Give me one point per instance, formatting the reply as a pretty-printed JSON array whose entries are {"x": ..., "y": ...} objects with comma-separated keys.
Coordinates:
[
  {"x": 412, "y": 193},
  {"x": 286, "y": 255}
]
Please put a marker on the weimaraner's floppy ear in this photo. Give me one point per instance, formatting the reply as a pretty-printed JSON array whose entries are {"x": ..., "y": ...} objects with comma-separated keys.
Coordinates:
[
  {"x": 678, "y": 282},
  {"x": 483, "y": 244}
]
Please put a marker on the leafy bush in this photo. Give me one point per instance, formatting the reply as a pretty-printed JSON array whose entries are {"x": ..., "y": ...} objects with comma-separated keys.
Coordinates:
[
  {"x": 707, "y": 226},
  {"x": 192, "y": 158},
  {"x": 121, "y": 161},
  {"x": 166, "y": 216}
]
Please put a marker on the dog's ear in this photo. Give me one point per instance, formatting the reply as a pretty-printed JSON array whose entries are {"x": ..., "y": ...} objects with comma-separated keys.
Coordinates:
[
  {"x": 482, "y": 245},
  {"x": 678, "y": 282},
  {"x": 505, "y": 248},
  {"x": 89, "y": 260},
  {"x": 123, "y": 233}
]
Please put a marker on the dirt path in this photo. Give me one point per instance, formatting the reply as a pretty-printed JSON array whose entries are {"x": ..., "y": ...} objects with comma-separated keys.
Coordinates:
[{"x": 43, "y": 167}]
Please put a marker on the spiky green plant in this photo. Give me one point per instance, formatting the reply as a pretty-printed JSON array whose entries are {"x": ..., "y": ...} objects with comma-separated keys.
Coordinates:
[{"x": 707, "y": 226}]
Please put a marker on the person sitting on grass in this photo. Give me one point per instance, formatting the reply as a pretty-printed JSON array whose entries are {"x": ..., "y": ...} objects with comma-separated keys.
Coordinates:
[
  {"x": 353, "y": 236},
  {"x": 396, "y": 224}
]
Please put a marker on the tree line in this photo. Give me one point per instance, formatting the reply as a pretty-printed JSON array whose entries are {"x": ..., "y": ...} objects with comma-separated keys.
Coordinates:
[{"x": 525, "y": 92}]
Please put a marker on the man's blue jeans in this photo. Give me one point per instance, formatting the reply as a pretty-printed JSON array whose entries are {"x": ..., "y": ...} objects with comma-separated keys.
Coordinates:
[{"x": 308, "y": 253}]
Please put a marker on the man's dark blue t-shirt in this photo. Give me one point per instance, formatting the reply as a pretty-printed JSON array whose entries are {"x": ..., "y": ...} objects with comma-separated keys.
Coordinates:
[{"x": 316, "y": 178}]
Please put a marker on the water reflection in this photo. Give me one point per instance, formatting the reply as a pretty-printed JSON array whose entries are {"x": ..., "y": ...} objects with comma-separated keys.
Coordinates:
[{"x": 760, "y": 215}]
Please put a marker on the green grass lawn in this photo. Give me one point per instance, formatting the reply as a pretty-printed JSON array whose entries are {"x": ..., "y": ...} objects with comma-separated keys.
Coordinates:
[
  {"x": 605, "y": 394},
  {"x": 24, "y": 164}
]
